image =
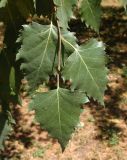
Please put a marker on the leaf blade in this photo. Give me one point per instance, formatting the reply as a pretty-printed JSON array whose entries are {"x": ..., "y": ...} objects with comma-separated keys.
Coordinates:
[
  {"x": 64, "y": 11},
  {"x": 91, "y": 13},
  {"x": 38, "y": 59},
  {"x": 88, "y": 64},
  {"x": 53, "y": 110},
  {"x": 6, "y": 122}
]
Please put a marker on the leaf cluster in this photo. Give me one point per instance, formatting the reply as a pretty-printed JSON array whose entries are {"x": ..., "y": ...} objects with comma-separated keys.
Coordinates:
[{"x": 48, "y": 55}]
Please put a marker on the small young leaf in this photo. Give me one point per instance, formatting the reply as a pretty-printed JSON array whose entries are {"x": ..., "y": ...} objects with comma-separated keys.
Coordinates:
[
  {"x": 58, "y": 112},
  {"x": 38, "y": 52},
  {"x": 86, "y": 69},
  {"x": 91, "y": 13}
]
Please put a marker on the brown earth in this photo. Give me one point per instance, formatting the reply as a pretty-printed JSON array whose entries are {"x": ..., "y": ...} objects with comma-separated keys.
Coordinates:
[
  {"x": 102, "y": 133},
  {"x": 111, "y": 3}
]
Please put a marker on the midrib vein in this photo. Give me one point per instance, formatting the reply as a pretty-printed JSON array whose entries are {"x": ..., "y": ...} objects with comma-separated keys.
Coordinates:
[
  {"x": 59, "y": 115},
  {"x": 44, "y": 53},
  {"x": 76, "y": 50},
  {"x": 90, "y": 10}
]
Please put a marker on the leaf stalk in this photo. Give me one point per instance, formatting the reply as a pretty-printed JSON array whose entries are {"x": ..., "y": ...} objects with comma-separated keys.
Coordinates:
[{"x": 59, "y": 55}]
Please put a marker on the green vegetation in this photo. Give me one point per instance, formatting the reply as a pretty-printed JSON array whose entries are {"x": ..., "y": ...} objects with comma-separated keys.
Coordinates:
[{"x": 46, "y": 48}]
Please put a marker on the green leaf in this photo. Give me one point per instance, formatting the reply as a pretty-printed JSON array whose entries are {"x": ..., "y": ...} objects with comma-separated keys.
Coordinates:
[
  {"x": 3, "y": 3},
  {"x": 66, "y": 50},
  {"x": 68, "y": 36},
  {"x": 86, "y": 69},
  {"x": 5, "y": 125},
  {"x": 91, "y": 13},
  {"x": 64, "y": 11},
  {"x": 6, "y": 122},
  {"x": 38, "y": 52},
  {"x": 12, "y": 81},
  {"x": 58, "y": 112}
]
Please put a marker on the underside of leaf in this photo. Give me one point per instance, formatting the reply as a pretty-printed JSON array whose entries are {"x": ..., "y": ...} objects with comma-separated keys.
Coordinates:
[
  {"x": 64, "y": 11},
  {"x": 85, "y": 68},
  {"x": 58, "y": 112},
  {"x": 91, "y": 13},
  {"x": 38, "y": 52}
]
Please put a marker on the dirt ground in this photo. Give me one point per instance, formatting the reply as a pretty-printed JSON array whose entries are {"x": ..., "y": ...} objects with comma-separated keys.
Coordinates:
[
  {"x": 111, "y": 3},
  {"x": 102, "y": 133}
]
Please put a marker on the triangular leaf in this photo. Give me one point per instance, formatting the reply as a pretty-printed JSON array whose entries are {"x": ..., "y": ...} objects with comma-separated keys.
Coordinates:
[
  {"x": 64, "y": 11},
  {"x": 38, "y": 52},
  {"x": 58, "y": 112},
  {"x": 91, "y": 13},
  {"x": 86, "y": 69}
]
